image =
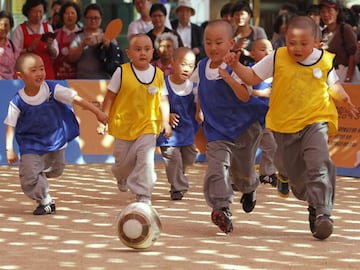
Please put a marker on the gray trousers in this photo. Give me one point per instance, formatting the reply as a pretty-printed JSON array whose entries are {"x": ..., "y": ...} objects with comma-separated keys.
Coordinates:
[
  {"x": 134, "y": 165},
  {"x": 268, "y": 149},
  {"x": 34, "y": 170},
  {"x": 306, "y": 161},
  {"x": 240, "y": 154},
  {"x": 177, "y": 159}
]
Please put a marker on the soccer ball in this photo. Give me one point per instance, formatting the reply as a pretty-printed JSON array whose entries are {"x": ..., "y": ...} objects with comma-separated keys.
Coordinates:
[{"x": 138, "y": 225}]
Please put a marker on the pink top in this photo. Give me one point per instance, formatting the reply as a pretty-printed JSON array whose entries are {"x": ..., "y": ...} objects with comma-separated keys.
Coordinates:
[
  {"x": 8, "y": 56},
  {"x": 166, "y": 69}
]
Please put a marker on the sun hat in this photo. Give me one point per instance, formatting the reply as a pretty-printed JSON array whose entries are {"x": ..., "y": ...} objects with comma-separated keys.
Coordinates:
[{"x": 187, "y": 4}]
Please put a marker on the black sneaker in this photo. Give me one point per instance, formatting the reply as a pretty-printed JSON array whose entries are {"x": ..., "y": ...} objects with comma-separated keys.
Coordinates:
[
  {"x": 45, "y": 209},
  {"x": 176, "y": 195},
  {"x": 248, "y": 201},
  {"x": 269, "y": 179},
  {"x": 323, "y": 227},
  {"x": 234, "y": 187},
  {"x": 312, "y": 218},
  {"x": 222, "y": 219},
  {"x": 283, "y": 186}
]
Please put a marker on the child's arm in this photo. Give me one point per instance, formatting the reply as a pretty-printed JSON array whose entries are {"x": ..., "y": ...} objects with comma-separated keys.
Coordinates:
[
  {"x": 165, "y": 113},
  {"x": 246, "y": 74},
  {"x": 101, "y": 116},
  {"x": 106, "y": 106},
  {"x": 11, "y": 156},
  {"x": 337, "y": 91},
  {"x": 239, "y": 89},
  {"x": 262, "y": 93},
  {"x": 199, "y": 117}
]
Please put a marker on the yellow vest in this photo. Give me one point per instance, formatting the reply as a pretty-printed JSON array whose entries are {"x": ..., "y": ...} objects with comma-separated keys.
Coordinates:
[
  {"x": 136, "y": 108},
  {"x": 299, "y": 95}
]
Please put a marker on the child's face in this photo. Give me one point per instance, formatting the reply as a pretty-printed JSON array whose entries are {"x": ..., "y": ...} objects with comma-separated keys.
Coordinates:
[
  {"x": 217, "y": 43},
  {"x": 166, "y": 49},
  {"x": 260, "y": 49},
  {"x": 300, "y": 43},
  {"x": 33, "y": 72},
  {"x": 184, "y": 66},
  {"x": 140, "y": 51}
]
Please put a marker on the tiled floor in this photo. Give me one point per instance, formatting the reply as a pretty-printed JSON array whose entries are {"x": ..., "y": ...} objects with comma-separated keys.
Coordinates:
[{"x": 81, "y": 235}]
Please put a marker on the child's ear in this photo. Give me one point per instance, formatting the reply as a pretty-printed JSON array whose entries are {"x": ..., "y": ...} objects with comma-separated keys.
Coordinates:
[{"x": 18, "y": 75}]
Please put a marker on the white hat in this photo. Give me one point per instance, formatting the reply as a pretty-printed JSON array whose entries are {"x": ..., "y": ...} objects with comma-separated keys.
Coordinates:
[{"x": 185, "y": 3}]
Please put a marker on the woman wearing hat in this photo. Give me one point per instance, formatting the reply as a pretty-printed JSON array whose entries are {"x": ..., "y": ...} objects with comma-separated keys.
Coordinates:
[
  {"x": 340, "y": 39},
  {"x": 190, "y": 33}
]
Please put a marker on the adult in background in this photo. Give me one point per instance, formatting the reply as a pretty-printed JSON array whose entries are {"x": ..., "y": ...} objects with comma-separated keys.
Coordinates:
[
  {"x": 8, "y": 52},
  {"x": 245, "y": 33},
  {"x": 144, "y": 23},
  {"x": 28, "y": 36},
  {"x": 158, "y": 15},
  {"x": 339, "y": 38},
  {"x": 85, "y": 48},
  {"x": 165, "y": 44},
  {"x": 190, "y": 33},
  {"x": 70, "y": 15}
]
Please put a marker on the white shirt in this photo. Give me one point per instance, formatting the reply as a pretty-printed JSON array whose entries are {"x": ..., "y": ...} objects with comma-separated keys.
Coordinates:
[
  {"x": 61, "y": 94},
  {"x": 185, "y": 34},
  {"x": 183, "y": 89},
  {"x": 141, "y": 26},
  {"x": 265, "y": 68},
  {"x": 144, "y": 76},
  {"x": 213, "y": 74}
]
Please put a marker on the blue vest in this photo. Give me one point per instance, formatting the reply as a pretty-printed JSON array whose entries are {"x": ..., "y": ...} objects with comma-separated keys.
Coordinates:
[
  {"x": 225, "y": 116},
  {"x": 45, "y": 127},
  {"x": 185, "y": 107}
]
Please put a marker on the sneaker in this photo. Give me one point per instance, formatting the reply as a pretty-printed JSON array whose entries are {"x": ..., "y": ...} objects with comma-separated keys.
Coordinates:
[
  {"x": 312, "y": 218},
  {"x": 45, "y": 209},
  {"x": 222, "y": 219},
  {"x": 283, "y": 186},
  {"x": 176, "y": 195},
  {"x": 269, "y": 179},
  {"x": 323, "y": 227},
  {"x": 248, "y": 201},
  {"x": 234, "y": 187}
]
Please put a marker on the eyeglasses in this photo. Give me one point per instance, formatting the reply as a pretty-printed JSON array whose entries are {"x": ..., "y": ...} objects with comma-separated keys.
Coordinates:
[{"x": 93, "y": 18}]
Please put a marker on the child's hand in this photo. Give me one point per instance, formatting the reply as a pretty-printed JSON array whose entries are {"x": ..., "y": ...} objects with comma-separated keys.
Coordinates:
[
  {"x": 174, "y": 120},
  {"x": 199, "y": 117},
  {"x": 102, "y": 117},
  {"x": 11, "y": 156},
  {"x": 232, "y": 59},
  {"x": 224, "y": 74},
  {"x": 166, "y": 128},
  {"x": 102, "y": 129},
  {"x": 351, "y": 108}
]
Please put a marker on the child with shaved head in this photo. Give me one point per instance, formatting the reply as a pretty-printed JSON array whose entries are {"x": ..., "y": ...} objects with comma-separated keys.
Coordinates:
[
  {"x": 179, "y": 150},
  {"x": 301, "y": 115},
  {"x": 138, "y": 108},
  {"x": 42, "y": 123},
  {"x": 232, "y": 121}
]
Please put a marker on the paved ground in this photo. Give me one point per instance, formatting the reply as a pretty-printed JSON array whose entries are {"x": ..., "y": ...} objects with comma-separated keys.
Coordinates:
[{"x": 81, "y": 235}]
